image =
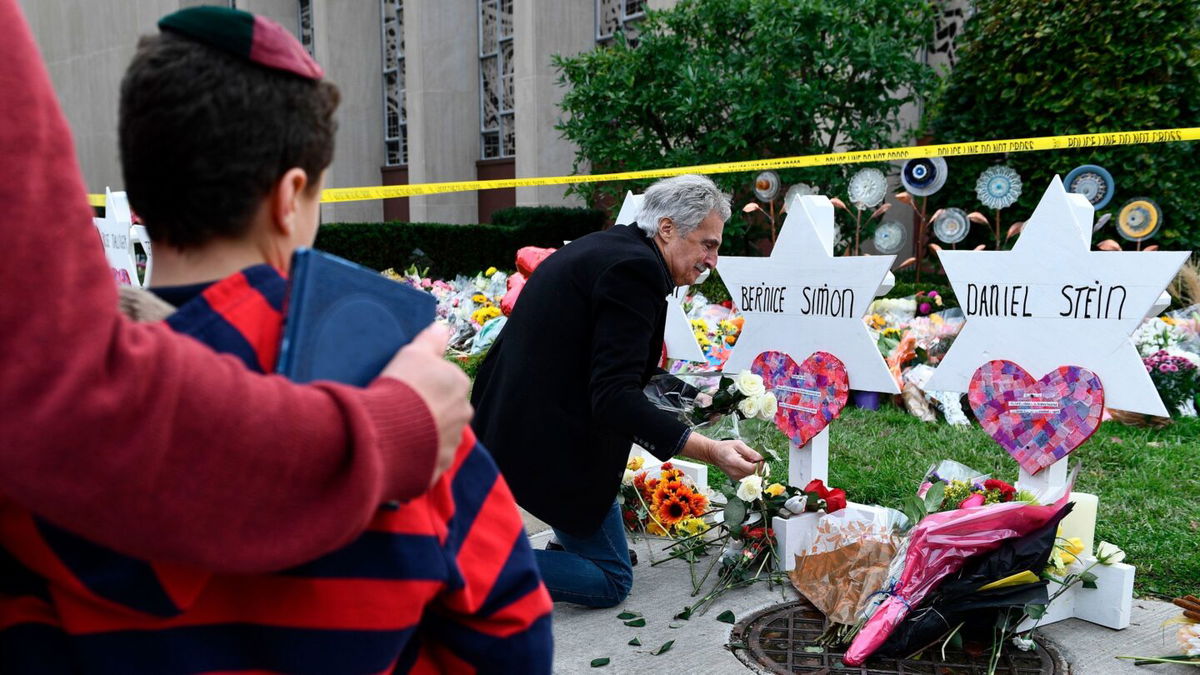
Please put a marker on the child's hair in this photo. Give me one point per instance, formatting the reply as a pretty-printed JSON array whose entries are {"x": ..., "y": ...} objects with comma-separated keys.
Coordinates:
[{"x": 204, "y": 135}]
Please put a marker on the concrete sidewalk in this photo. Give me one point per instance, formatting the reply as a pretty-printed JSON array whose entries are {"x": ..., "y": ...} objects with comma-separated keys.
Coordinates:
[{"x": 660, "y": 592}]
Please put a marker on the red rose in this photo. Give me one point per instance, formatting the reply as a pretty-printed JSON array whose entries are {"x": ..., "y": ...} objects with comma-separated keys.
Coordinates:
[
  {"x": 835, "y": 500},
  {"x": 818, "y": 486},
  {"x": 1007, "y": 492}
]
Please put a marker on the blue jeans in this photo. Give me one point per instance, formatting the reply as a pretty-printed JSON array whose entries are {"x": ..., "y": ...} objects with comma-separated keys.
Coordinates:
[{"x": 593, "y": 570}]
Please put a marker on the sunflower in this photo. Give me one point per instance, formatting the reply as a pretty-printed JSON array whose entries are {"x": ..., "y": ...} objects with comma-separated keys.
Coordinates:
[
  {"x": 672, "y": 474},
  {"x": 667, "y": 489},
  {"x": 672, "y": 510},
  {"x": 655, "y": 529},
  {"x": 698, "y": 504}
]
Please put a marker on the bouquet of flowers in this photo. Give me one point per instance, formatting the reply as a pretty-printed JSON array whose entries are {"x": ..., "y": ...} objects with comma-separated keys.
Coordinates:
[
  {"x": 1177, "y": 379},
  {"x": 707, "y": 399},
  {"x": 665, "y": 504},
  {"x": 743, "y": 530}
]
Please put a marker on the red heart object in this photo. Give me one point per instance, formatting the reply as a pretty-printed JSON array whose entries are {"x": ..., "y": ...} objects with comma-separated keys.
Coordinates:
[
  {"x": 1040, "y": 422},
  {"x": 810, "y": 395}
]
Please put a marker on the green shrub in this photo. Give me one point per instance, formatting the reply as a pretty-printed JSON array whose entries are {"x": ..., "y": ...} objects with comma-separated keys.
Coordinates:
[
  {"x": 1032, "y": 68},
  {"x": 561, "y": 216},
  {"x": 449, "y": 250}
]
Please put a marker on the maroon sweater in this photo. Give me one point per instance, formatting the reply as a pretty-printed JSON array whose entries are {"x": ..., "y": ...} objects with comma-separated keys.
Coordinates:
[{"x": 144, "y": 440}]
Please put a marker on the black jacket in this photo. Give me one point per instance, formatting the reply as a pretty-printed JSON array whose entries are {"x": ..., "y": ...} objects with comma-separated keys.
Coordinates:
[{"x": 558, "y": 399}]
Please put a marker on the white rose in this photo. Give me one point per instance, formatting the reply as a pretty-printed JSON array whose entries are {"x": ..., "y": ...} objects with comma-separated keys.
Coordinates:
[
  {"x": 748, "y": 406},
  {"x": 767, "y": 406},
  {"x": 750, "y": 488},
  {"x": 1108, "y": 553},
  {"x": 750, "y": 384},
  {"x": 627, "y": 479}
]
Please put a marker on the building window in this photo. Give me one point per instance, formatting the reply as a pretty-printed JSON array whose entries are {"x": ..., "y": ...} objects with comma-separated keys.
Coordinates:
[
  {"x": 395, "y": 122},
  {"x": 306, "y": 26},
  {"x": 496, "y": 106},
  {"x": 613, "y": 16}
]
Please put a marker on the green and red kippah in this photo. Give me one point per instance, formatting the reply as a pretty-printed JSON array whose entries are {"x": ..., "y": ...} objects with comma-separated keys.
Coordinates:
[{"x": 254, "y": 38}]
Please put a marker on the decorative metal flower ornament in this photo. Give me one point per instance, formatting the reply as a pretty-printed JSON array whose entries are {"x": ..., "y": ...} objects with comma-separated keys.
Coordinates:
[
  {"x": 798, "y": 190},
  {"x": 1093, "y": 182},
  {"x": 868, "y": 188},
  {"x": 766, "y": 186},
  {"x": 998, "y": 187},
  {"x": 952, "y": 226},
  {"x": 1139, "y": 219},
  {"x": 923, "y": 176},
  {"x": 890, "y": 237}
]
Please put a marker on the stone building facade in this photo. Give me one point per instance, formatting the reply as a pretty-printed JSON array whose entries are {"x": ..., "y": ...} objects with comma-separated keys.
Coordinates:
[{"x": 433, "y": 90}]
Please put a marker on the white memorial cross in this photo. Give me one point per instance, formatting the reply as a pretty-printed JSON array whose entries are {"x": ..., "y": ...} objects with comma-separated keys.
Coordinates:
[
  {"x": 1050, "y": 302},
  {"x": 786, "y": 301}
]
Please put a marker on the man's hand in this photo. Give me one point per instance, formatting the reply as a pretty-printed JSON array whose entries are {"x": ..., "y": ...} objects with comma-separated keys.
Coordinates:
[
  {"x": 442, "y": 385},
  {"x": 735, "y": 458}
]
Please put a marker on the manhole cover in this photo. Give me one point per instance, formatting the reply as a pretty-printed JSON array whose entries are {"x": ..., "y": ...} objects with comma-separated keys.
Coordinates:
[{"x": 783, "y": 639}]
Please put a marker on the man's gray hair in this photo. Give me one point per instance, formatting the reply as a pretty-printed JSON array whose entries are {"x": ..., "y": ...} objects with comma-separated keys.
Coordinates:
[{"x": 686, "y": 200}]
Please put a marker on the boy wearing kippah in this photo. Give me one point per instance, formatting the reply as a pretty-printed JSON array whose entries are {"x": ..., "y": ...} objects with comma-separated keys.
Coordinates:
[{"x": 226, "y": 130}]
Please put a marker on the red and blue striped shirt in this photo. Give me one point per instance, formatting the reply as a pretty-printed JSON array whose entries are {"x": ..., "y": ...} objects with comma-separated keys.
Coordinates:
[{"x": 444, "y": 583}]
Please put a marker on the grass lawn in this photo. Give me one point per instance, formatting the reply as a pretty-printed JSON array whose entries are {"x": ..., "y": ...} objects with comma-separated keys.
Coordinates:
[{"x": 1148, "y": 481}]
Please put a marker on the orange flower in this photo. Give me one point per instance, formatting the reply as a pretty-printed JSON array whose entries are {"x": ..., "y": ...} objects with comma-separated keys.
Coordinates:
[
  {"x": 699, "y": 504},
  {"x": 672, "y": 511},
  {"x": 667, "y": 490}
]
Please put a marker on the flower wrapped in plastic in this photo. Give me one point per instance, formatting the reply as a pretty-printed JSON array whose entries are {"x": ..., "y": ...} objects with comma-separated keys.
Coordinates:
[
  {"x": 846, "y": 558},
  {"x": 937, "y": 547}
]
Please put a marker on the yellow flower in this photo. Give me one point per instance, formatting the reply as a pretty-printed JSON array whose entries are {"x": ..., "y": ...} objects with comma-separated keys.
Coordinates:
[
  {"x": 636, "y": 463},
  {"x": 876, "y": 321},
  {"x": 479, "y": 298},
  {"x": 775, "y": 489},
  {"x": 1074, "y": 546},
  {"x": 489, "y": 272},
  {"x": 655, "y": 529},
  {"x": 728, "y": 327},
  {"x": 1170, "y": 321},
  {"x": 700, "y": 325},
  {"x": 485, "y": 314},
  {"x": 691, "y": 526}
]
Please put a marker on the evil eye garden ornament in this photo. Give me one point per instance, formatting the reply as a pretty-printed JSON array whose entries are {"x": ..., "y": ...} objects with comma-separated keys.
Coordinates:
[
  {"x": 998, "y": 187},
  {"x": 867, "y": 188},
  {"x": 923, "y": 176},
  {"x": 1093, "y": 182},
  {"x": 952, "y": 226},
  {"x": 889, "y": 237},
  {"x": 766, "y": 186}
]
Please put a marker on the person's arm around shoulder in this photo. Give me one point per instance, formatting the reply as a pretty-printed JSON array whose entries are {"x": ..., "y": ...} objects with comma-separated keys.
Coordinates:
[{"x": 146, "y": 441}]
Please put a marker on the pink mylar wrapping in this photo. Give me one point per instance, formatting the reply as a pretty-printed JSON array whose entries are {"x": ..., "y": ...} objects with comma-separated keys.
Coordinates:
[{"x": 937, "y": 547}]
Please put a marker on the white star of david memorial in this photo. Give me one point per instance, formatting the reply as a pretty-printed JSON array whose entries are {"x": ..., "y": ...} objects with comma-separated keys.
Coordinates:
[
  {"x": 1051, "y": 301},
  {"x": 801, "y": 299},
  {"x": 117, "y": 234}
]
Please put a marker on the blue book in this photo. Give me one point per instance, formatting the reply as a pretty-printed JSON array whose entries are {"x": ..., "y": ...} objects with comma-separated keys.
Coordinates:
[{"x": 344, "y": 322}]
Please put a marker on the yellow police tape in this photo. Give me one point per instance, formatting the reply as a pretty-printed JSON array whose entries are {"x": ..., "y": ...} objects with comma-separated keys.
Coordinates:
[{"x": 1071, "y": 142}]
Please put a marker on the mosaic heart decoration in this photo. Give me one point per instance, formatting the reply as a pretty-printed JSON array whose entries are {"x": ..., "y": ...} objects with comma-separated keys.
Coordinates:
[
  {"x": 810, "y": 394},
  {"x": 1037, "y": 422}
]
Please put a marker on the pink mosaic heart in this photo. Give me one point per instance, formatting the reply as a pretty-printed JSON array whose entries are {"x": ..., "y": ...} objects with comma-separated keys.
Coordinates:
[
  {"x": 1040, "y": 422},
  {"x": 810, "y": 394}
]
